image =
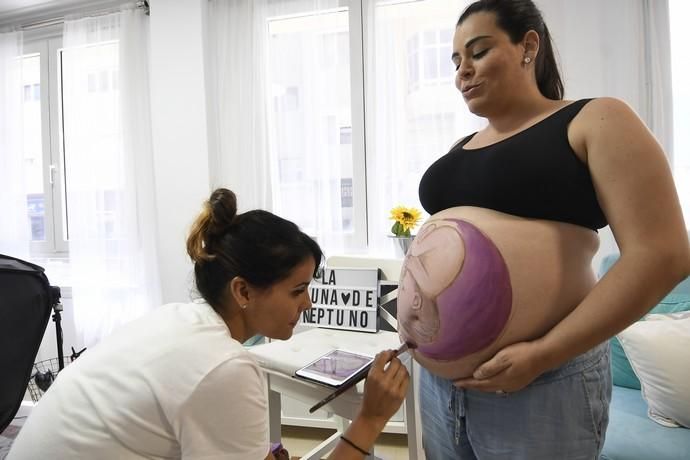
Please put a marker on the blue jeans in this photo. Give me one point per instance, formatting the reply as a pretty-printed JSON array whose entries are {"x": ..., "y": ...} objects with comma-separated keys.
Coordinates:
[{"x": 562, "y": 415}]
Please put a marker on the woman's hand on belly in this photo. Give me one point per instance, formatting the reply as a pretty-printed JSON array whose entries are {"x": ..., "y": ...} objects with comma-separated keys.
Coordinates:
[{"x": 510, "y": 370}]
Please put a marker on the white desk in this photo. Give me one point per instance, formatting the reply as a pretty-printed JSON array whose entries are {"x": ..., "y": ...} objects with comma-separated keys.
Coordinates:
[{"x": 281, "y": 359}]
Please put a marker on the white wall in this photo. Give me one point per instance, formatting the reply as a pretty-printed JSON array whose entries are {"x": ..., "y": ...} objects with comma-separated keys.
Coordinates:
[{"x": 180, "y": 146}]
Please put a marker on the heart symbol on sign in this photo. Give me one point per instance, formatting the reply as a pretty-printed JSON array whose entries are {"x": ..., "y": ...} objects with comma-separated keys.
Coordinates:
[{"x": 345, "y": 296}]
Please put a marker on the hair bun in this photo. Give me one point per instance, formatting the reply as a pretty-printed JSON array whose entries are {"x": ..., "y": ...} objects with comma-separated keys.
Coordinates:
[
  {"x": 217, "y": 215},
  {"x": 223, "y": 207}
]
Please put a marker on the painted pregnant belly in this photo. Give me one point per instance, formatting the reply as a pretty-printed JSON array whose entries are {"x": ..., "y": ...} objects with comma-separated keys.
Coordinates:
[{"x": 455, "y": 295}]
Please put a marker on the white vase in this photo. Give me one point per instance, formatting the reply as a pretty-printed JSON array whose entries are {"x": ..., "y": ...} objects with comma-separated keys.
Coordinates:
[{"x": 402, "y": 245}]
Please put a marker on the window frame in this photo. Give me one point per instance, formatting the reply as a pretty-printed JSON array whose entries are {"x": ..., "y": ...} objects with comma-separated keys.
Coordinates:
[
  {"x": 55, "y": 243},
  {"x": 358, "y": 238},
  {"x": 358, "y": 23}
]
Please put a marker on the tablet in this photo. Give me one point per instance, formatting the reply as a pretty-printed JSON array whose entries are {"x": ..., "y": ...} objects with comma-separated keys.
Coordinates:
[{"x": 335, "y": 367}]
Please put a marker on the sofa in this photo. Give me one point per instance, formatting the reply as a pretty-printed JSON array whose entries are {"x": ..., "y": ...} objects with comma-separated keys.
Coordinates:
[{"x": 632, "y": 434}]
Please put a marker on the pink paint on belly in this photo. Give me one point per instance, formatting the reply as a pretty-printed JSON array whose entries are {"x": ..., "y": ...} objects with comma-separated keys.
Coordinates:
[{"x": 467, "y": 315}]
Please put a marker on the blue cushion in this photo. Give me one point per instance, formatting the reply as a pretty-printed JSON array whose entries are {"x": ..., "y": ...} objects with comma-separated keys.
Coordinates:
[
  {"x": 632, "y": 435},
  {"x": 678, "y": 300},
  {"x": 621, "y": 370}
]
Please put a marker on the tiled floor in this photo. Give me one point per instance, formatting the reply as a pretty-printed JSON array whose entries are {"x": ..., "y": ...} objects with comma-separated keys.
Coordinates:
[
  {"x": 299, "y": 440},
  {"x": 7, "y": 437}
]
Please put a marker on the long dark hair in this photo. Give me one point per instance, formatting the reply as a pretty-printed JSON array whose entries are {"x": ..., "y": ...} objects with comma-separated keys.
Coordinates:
[
  {"x": 257, "y": 245},
  {"x": 516, "y": 18}
]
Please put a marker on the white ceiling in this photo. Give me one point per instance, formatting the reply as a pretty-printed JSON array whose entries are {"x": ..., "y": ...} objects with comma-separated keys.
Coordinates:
[
  {"x": 9, "y": 5},
  {"x": 17, "y": 12}
]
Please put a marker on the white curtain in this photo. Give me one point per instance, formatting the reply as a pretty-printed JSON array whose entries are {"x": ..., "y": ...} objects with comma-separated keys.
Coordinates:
[
  {"x": 284, "y": 110},
  {"x": 658, "y": 105},
  {"x": 414, "y": 112},
  {"x": 109, "y": 171},
  {"x": 679, "y": 10},
  {"x": 14, "y": 228},
  {"x": 617, "y": 48},
  {"x": 238, "y": 140}
]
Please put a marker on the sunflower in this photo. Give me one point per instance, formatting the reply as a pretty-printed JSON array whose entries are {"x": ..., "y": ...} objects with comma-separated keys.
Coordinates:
[{"x": 405, "y": 220}]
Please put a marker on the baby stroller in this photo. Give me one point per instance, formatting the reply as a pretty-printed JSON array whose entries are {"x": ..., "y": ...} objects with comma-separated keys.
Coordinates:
[{"x": 26, "y": 302}]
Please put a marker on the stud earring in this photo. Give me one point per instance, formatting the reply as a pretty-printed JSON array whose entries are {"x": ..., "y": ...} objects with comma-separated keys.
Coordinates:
[
  {"x": 527, "y": 60},
  {"x": 243, "y": 307}
]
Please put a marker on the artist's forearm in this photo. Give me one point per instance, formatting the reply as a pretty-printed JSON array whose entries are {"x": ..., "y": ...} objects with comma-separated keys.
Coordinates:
[
  {"x": 637, "y": 281},
  {"x": 363, "y": 433}
]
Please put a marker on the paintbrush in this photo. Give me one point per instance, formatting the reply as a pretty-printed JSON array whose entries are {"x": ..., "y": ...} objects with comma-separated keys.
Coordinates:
[{"x": 356, "y": 378}]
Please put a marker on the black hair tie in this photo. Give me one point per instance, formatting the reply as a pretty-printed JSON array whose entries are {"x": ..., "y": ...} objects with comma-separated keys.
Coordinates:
[{"x": 355, "y": 446}]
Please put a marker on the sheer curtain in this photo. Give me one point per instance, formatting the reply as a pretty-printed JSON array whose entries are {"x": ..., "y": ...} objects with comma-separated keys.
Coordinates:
[
  {"x": 14, "y": 228},
  {"x": 238, "y": 124},
  {"x": 311, "y": 116},
  {"x": 617, "y": 48},
  {"x": 414, "y": 113},
  {"x": 283, "y": 105},
  {"x": 680, "y": 36},
  {"x": 109, "y": 171}
]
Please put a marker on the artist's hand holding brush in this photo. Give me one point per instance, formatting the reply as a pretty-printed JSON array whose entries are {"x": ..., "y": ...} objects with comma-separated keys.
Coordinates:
[
  {"x": 384, "y": 391},
  {"x": 385, "y": 388}
]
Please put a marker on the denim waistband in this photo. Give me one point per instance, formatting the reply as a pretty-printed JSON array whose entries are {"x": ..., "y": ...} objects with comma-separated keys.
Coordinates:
[{"x": 578, "y": 364}]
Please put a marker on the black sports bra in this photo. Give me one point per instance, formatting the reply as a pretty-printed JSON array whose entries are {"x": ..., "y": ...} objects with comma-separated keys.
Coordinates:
[{"x": 534, "y": 173}]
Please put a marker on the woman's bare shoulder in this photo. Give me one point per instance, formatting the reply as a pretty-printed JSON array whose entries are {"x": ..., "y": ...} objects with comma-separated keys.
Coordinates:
[
  {"x": 599, "y": 120},
  {"x": 605, "y": 110}
]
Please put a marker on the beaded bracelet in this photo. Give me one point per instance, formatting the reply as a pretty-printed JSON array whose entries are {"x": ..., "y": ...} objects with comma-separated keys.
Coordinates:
[{"x": 355, "y": 446}]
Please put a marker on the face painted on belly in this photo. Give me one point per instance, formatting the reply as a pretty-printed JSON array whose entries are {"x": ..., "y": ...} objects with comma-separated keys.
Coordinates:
[
  {"x": 455, "y": 296},
  {"x": 432, "y": 263}
]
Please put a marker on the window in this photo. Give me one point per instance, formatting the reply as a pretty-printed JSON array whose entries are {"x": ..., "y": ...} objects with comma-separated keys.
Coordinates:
[
  {"x": 90, "y": 144},
  {"x": 427, "y": 55},
  {"x": 59, "y": 87},
  {"x": 310, "y": 89},
  {"x": 33, "y": 152},
  {"x": 42, "y": 162},
  {"x": 334, "y": 181}
]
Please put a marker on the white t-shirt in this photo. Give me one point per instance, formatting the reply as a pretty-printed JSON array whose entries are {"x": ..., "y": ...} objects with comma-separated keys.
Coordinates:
[{"x": 173, "y": 384}]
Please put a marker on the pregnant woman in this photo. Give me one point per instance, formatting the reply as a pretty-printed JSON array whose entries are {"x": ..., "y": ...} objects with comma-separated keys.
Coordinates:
[{"x": 497, "y": 289}]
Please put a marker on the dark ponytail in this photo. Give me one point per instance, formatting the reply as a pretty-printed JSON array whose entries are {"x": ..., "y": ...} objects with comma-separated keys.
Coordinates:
[
  {"x": 548, "y": 76},
  {"x": 257, "y": 245},
  {"x": 516, "y": 18}
]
